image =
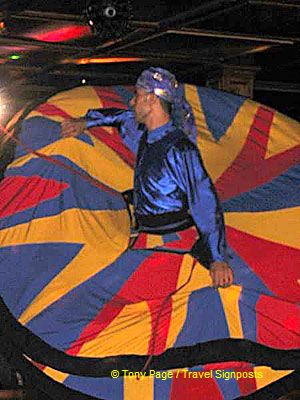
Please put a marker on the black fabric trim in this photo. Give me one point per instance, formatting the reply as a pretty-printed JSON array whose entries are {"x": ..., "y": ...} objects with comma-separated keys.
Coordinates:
[
  {"x": 38, "y": 382},
  {"x": 16, "y": 339},
  {"x": 128, "y": 197},
  {"x": 45, "y": 385},
  {"x": 188, "y": 356},
  {"x": 276, "y": 389},
  {"x": 159, "y": 224},
  {"x": 159, "y": 220}
]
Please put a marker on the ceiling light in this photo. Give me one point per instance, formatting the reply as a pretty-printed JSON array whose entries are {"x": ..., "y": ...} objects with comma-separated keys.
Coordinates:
[
  {"x": 101, "y": 60},
  {"x": 14, "y": 57},
  {"x": 109, "y": 19}
]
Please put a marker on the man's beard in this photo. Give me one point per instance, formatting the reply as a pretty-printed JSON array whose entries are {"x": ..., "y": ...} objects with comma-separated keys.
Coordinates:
[{"x": 140, "y": 117}]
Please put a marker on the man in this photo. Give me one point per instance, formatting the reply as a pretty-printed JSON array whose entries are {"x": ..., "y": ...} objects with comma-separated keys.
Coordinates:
[{"x": 171, "y": 185}]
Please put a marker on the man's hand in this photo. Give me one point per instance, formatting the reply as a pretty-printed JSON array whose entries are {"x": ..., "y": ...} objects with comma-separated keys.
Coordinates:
[
  {"x": 73, "y": 127},
  {"x": 221, "y": 274}
]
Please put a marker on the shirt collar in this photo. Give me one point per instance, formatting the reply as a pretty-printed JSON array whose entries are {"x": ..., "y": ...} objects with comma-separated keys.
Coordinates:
[{"x": 159, "y": 133}]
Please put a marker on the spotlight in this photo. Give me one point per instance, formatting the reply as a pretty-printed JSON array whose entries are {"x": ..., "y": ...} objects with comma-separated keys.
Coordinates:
[
  {"x": 14, "y": 57},
  {"x": 109, "y": 19},
  {"x": 4, "y": 109},
  {"x": 110, "y": 12}
]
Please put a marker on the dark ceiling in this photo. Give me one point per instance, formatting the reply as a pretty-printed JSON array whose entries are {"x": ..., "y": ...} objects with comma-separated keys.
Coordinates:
[{"x": 55, "y": 45}]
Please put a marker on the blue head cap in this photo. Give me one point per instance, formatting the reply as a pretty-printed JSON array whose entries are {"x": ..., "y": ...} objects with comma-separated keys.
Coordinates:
[{"x": 164, "y": 85}]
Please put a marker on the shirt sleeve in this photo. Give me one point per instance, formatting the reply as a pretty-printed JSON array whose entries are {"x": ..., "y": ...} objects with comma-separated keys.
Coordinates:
[
  {"x": 106, "y": 117},
  {"x": 204, "y": 206},
  {"x": 124, "y": 120}
]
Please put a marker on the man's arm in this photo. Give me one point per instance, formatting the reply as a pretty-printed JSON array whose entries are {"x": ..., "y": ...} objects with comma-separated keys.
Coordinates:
[
  {"x": 122, "y": 119},
  {"x": 73, "y": 127},
  {"x": 204, "y": 208}
]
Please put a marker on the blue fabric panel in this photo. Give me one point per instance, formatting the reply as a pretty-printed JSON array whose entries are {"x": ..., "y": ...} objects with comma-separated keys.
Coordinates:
[
  {"x": 243, "y": 275},
  {"x": 219, "y": 109},
  {"x": 27, "y": 269},
  {"x": 229, "y": 387},
  {"x": 162, "y": 388},
  {"x": 80, "y": 194},
  {"x": 247, "y": 305},
  {"x": 73, "y": 312},
  {"x": 282, "y": 192},
  {"x": 38, "y": 132},
  {"x": 104, "y": 388},
  {"x": 202, "y": 303}
]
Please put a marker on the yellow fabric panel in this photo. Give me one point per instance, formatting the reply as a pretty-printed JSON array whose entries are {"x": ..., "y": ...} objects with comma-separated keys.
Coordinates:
[
  {"x": 191, "y": 94},
  {"x": 219, "y": 155},
  {"x": 14, "y": 120},
  {"x": 117, "y": 170},
  {"x": 284, "y": 135},
  {"x": 113, "y": 172},
  {"x": 128, "y": 333},
  {"x": 135, "y": 389},
  {"x": 73, "y": 226},
  {"x": 56, "y": 375},
  {"x": 200, "y": 278},
  {"x": 179, "y": 303},
  {"x": 230, "y": 300},
  {"x": 82, "y": 267},
  {"x": 57, "y": 118},
  {"x": 268, "y": 375},
  {"x": 53, "y": 373},
  {"x": 76, "y": 102},
  {"x": 274, "y": 226},
  {"x": 154, "y": 240},
  {"x": 179, "y": 313},
  {"x": 106, "y": 233}
]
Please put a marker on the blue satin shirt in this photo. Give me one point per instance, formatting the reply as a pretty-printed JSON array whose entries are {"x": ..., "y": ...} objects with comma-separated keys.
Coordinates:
[{"x": 169, "y": 175}]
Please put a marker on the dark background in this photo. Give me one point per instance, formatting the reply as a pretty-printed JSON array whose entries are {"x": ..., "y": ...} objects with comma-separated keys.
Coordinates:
[{"x": 193, "y": 39}]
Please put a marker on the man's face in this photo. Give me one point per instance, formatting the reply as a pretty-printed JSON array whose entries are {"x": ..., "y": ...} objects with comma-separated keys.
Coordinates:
[{"x": 141, "y": 104}]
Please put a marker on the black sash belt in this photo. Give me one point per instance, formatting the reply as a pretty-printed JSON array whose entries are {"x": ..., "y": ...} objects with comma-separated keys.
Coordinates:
[
  {"x": 164, "y": 223},
  {"x": 159, "y": 224}
]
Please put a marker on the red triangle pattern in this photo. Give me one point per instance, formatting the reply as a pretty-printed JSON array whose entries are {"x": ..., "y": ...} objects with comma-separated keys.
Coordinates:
[
  {"x": 19, "y": 193},
  {"x": 250, "y": 169},
  {"x": 154, "y": 280},
  {"x": 278, "y": 323},
  {"x": 51, "y": 110},
  {"x": 111, "y": 99},
  {"x": 277, "y": 265}
]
